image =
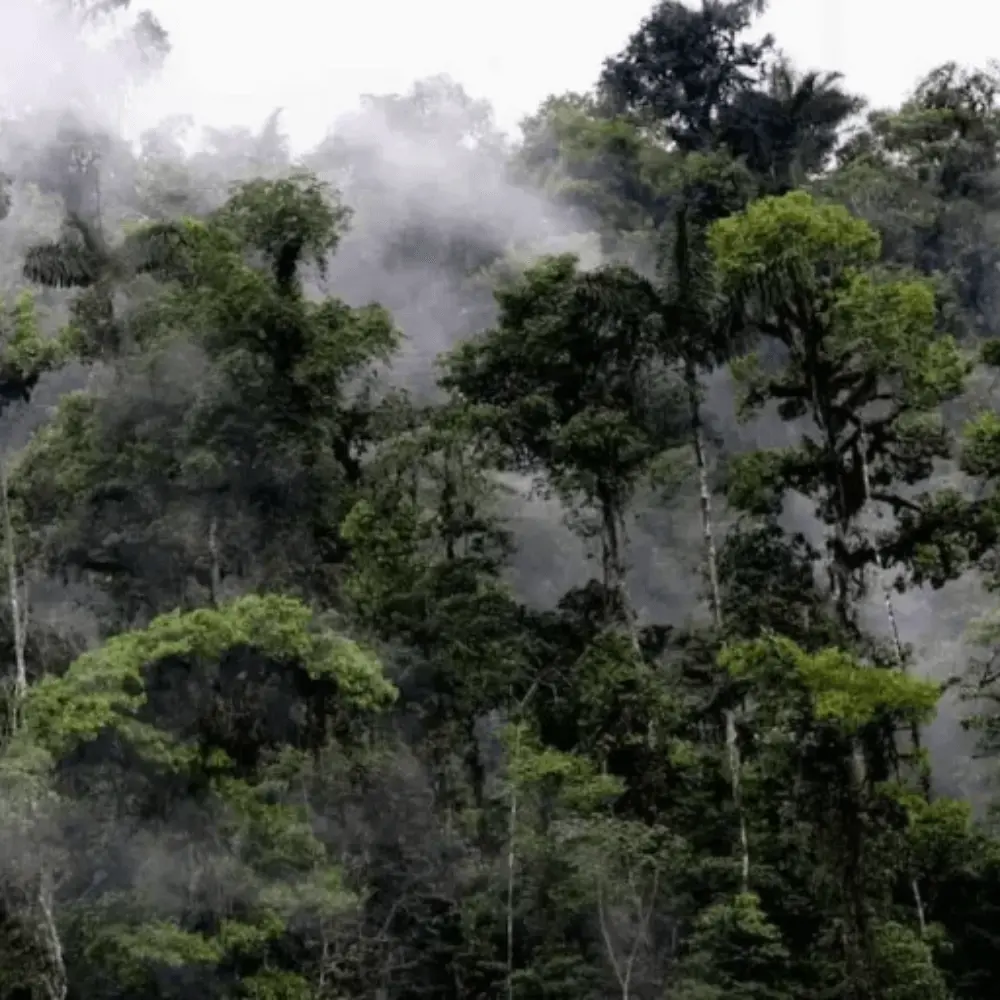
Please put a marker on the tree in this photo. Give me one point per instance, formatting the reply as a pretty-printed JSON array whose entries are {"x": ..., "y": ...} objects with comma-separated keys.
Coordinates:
[
  {"x": 564, "y": 383},
  {"x": 285, "y": 377},
  {"x": 605, "y": 169},
  {"x": 428, "y": 551},
  {"x": 82, "y": 259},
  {"x": 683, "y": 66},
  {"x": 787, "y": 131},
  {"x": 305, "y": 698},
  {"x": 27, "y": 887},
  {"x": 203, "y": 701},
  {"x": 924, "y": 175},
  {"x": 866, "y": 365},
  {"x": 835, "y": 697}
]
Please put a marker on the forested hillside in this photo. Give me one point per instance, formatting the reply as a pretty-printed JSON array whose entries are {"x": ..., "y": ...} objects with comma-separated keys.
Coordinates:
[{"x": 448, "y": 566}]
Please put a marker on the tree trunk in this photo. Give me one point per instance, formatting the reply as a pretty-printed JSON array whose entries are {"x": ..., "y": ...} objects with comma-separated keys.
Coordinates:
[
  {"x": 54, "y": 977},
  {"x": 735, "y": 765},
  {"x": 618, "y": 606},
  {"x": 857, "y": 946},
  {"x": 511, "y": 862},
  {"x": 17, "y": 611},
  {"x": 705, "y": 497},
  {"x": 40, "y": 909},
  {"x": 890, "y": 612},
  {"x": 215, "y": 568}
]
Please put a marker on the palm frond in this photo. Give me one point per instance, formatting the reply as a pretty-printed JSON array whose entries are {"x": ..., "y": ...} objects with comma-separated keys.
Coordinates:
[{"x": 61, "y": 264}]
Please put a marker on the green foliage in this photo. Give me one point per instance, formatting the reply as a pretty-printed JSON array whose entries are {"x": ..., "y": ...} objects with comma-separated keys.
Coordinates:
[
  {"x": 281, "y": 722},
  {"x": 906, "y": 966},
  {"x": 756, "y": 480},
  {"x": 105, "y": 687},
  {"x": 734, "y": 952},
  {"x": 656, "y": 79},
  {"x": 604, "y": 167},
  {"x": 286, "y": 220},
  {"x": 129, "y": 952},
  {"x": 981, "y": 446},
  {"x": 866, "y": 363},
  {"x": 840, "y": 689},
  {"x": 280, "y": 874},
  {"x": 791, "y": 242},
  {"x": 925, "y": 175},
  {"x": 569, "y": 779},
  {"x": 270, "y": 398},
  {"x": 561, "y": 378},
  {"x": 27, "y": 353}
]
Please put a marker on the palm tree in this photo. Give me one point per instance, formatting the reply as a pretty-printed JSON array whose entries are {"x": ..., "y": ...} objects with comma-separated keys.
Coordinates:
[
  {"x": 787, "y": 131},
  {"x": 82, "y": 258}
]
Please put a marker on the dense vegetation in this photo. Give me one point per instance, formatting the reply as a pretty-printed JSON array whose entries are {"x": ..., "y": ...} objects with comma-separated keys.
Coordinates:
[{"x": 295, "y": 703}]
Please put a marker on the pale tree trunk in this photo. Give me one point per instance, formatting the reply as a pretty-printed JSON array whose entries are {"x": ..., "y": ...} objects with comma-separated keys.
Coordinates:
[
  {"x": 623, "y": 965},
  {"x": 735, "y": 765},
  {"x": 18, "y": 609},
  {"x": 890, "y": 610},
  {"x": 215, "y": 571},
  {"x": 53, "y": 976}
]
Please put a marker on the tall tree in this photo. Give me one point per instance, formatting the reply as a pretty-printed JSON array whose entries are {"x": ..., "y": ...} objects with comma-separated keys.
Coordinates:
[
  {"x": 26, "y": 889},
  {"x": 187, "y": 699},
  {"x": 866, "y": 364},
  {"x": 925, "y": 176},
  {"x": 286, "y": 378},
  {"x": 787, "y": 130},
  {"x": 868, "y": 368},
  {"x": 684, "y": 66},
  {"x": 564, "y": 381}
]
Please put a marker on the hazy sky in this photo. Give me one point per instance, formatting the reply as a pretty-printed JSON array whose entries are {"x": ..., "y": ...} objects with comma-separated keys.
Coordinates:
[{"x": 234, "y": 61}]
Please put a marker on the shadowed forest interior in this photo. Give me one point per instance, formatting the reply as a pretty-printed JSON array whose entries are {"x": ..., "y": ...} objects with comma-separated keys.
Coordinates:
[{"x": 446, "y": 565}]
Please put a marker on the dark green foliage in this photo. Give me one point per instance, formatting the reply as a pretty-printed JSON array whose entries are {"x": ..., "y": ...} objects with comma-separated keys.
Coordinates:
[
  {"x": 788, "y": 130},
  {"x": 276, "y": 725},
  {"x": 684, "y": 65}
]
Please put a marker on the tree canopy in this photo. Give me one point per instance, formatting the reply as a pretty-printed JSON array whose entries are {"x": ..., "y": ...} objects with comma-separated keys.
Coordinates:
[{"x": 443, "y": 566}]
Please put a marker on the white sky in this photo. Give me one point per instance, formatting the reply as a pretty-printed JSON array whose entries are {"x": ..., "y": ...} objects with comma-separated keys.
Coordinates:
[{"x": 234, "y": 61}]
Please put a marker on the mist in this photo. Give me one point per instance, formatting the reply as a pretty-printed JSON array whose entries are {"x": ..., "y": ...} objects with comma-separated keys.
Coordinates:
[
  {"x": 426, "y": 169},
  {"x": 418, "y": 802}
]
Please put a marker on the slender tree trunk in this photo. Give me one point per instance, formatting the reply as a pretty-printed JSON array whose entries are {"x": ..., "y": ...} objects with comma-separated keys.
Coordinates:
[
  {"x": 53, "y": 976},
  {"x": 890, "y": 612},
  {"x": 735, "y": 765},
  {"x": 17, "y": 610},
  {"x": 511, "y": 862},
  {"x": 215, "y": 569},
  {"x": 705, "y": 497},
  {"x": 623, "y": 966},
  {"x": 447, "y": 510}
]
